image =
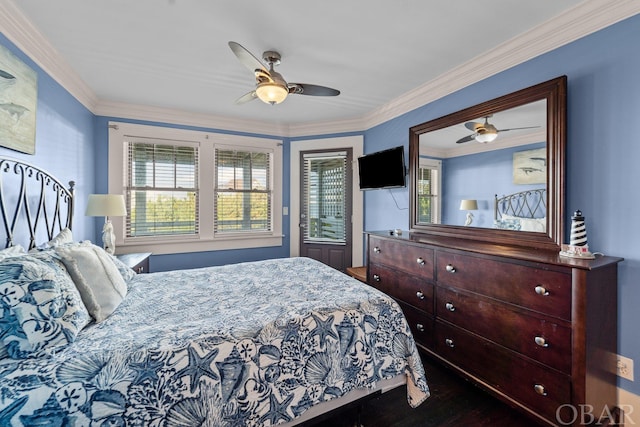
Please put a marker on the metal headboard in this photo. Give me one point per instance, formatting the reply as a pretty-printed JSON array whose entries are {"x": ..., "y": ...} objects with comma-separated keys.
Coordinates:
[
  {"x": 33, "y": 201},
  {"x": 523, "y": 204}
]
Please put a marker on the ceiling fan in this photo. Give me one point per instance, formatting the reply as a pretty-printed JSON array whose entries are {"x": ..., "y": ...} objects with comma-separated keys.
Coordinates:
[
  {"x": 271, "y": 87},
  {"x": 485, "y": 132}
]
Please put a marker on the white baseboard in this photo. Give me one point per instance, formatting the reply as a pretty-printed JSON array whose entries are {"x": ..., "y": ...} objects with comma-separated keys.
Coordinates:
[{"x": 630, "y": 404}]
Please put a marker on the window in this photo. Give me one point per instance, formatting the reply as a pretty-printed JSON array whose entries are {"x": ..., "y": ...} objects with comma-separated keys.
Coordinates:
[
  {"x": 242, "y": 191},
  {"x": 161, "y": 191},
  {"x": 429, "y": 174},
  {"x": 323, "y": 192},
  {"x": 190, "y": 191}
]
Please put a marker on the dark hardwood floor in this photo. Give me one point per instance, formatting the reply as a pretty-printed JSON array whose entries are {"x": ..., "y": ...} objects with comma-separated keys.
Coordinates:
[{"x": 453, "y": 402}]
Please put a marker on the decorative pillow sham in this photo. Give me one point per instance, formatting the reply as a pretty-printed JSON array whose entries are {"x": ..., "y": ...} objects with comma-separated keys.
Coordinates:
[
  {"x": 96, "y": 276},
  {"x": 41, "y": 307}
]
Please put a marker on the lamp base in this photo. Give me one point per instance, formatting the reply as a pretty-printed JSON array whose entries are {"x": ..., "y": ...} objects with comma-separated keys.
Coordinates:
[
  {"x": 578, "y": 252},
  {"x": 108, "y": 238}
]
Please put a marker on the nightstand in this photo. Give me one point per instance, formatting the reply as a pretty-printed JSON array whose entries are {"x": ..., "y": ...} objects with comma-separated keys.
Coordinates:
[
  {"x": 138, "y": 262},
  {"x": 359, "y": 273}
]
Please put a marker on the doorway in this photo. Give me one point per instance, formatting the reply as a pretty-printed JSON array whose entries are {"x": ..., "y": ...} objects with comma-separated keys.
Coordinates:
[{"x": 326, "y": 206}]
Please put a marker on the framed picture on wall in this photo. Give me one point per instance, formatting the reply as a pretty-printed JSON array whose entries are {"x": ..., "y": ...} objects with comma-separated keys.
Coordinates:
[
  {"x": 18, "y": 100},
  {"x": 530, "y": 166}
]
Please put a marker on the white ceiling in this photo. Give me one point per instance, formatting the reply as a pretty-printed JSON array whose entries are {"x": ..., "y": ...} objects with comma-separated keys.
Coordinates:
[{"x": 173, "y": 54}]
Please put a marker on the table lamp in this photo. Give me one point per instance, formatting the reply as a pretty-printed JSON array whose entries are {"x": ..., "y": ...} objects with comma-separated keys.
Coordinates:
[
  {"x": 107, "y": 205},
  {"x": 469, "y": 205}
]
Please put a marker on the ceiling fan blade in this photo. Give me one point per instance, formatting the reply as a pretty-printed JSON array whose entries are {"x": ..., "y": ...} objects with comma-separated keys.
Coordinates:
[
  {"x": 247, "y": 97},
  {"x": 467, "y": 138},
  {"x": 313, "y": 90},
  {"x": 472, "y": 125},
  {"x": 247, "y": 58},
  {"x": 528, "y": 127}
]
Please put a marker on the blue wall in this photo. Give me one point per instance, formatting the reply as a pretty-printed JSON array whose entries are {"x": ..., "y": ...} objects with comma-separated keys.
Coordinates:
[
  {"x": 64, "y": 141},
  {"x": 479, "y": 176},
  {"x": 603, "y": 148},
  {"x": 197, "y": 259}
]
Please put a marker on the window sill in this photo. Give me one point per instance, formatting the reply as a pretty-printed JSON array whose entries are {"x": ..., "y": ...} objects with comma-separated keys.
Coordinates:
[{"x": 201, "y": 245}]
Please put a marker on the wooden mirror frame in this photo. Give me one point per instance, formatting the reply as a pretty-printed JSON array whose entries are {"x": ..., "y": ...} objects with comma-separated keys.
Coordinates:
[{"x": 554, "y": 92}]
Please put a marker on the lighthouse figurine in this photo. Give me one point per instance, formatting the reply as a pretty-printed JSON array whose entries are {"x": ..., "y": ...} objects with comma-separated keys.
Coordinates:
[{"x": 577, "y": 247}]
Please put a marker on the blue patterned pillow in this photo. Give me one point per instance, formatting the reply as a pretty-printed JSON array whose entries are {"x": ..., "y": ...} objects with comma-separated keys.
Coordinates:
[
  {"x": 41, "y": 308},
  {"x": 507, "y": 224},
  {"x": 126, "y": 272}
]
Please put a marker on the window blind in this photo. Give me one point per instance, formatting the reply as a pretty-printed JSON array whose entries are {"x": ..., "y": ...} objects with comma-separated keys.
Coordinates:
[
  {"x": 162, "y": 188},
  {"x": 324, "y": 178},
  {"x": 243, "y": 194}
]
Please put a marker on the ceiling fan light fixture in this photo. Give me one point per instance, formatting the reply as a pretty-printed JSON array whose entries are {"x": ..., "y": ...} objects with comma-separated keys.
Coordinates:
[
  {"x": 487, "y": 136},
  {"x": 272, "y": 93}
]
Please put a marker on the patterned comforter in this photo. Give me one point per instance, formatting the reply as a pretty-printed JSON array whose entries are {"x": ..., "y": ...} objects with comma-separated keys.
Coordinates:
[{"x": 252, "y": 344}]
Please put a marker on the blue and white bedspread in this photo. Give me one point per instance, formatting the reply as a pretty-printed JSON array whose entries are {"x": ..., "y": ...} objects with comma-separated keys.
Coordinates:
[{"x": 252, "y": 344}]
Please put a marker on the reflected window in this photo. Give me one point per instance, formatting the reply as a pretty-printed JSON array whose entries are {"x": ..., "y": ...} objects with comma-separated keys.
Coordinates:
[{"x": 429, "y": 190}]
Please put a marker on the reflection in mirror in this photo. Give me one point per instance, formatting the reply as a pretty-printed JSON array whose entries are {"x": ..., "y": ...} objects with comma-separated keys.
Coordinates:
[
  {"x": 501, "y": 154},
  {"x": 507, "y": 156}
]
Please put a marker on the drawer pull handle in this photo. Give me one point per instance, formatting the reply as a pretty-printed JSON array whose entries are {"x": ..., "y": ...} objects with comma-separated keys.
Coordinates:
[
  {"x": 376, "y": 277},
  {"x": 540, "y": 290},
  {"x": 449, "y": 306},
  {"x": 376, "y": 250},
  {"x": 539, "y": 388},
  {"x": 541, "y": 342},
  {"x": 420, "y": 261},
  {"x": 449, "y": 342},
  {"x": 420, "y": 327},
  {"x": 420, "y": 295},
  {"x": 450, "y": 268}
]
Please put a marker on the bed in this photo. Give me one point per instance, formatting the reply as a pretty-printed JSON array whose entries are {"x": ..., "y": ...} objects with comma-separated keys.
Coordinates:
[
  {"x": 522, "y": 211},
  {"x": 274, "y": 342}
]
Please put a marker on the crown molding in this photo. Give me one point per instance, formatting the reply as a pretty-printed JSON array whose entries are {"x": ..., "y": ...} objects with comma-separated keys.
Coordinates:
[
  {"x": 185, "y": 118},
  {"x": 584, "y": 19},
  {"x": 575, "y": 23}
]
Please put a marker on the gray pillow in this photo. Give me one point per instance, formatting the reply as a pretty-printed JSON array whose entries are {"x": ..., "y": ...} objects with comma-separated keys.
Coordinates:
[{"x": 97, "y": 278}]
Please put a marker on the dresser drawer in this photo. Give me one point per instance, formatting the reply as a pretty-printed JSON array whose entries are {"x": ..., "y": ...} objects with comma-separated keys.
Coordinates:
[
  {"x": 402, "y": 256},
  {"x": 411, "y": 289},
  {"x": 420, "y": 323},
  {"x": 537, "y": 387},
  {"x": 543, "y": 339},
  {"x": 542, "y": 290}
]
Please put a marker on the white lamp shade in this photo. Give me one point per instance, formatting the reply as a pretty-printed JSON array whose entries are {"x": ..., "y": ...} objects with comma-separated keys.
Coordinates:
[
  {"x": 106, "y": 205},
  {"x": 486, "y": 136},
  {"x": 469, "y": 205}
]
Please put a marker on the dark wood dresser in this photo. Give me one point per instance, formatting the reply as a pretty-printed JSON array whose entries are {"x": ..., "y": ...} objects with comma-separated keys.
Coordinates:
[{"x": 536, "y": 330}]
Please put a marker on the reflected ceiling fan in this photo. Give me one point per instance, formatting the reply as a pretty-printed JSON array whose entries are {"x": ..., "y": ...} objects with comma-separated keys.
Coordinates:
[
  {"x": 485, "y": 132},
  {"x": 271, "y": 87}
]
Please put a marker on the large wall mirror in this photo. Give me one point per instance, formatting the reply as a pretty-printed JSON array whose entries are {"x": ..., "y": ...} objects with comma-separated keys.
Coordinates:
[{"x": 493, "y": 172}]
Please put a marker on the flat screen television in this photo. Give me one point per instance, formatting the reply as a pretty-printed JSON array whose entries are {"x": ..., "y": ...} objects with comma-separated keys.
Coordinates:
[{"x": 382, "y": 169}]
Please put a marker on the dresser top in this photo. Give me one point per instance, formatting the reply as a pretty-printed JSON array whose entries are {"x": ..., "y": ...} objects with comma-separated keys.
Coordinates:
[{"x": 516, "y": 252}]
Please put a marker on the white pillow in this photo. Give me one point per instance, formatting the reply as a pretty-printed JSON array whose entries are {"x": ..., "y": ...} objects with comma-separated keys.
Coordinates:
[
  {"x": 97, "y": 278},
  {"x": 63, "y": 237}
]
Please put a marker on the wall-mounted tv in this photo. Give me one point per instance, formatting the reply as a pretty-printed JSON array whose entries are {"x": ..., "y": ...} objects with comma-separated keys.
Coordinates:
[{"x": 382, "y": 169}]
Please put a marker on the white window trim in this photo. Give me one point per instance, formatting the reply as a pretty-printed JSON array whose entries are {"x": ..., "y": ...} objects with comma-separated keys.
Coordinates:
[
  {"x": 437, "y": 165},
  {"x": 356, "y": 143},
  {"x": 205, "y": 240}
]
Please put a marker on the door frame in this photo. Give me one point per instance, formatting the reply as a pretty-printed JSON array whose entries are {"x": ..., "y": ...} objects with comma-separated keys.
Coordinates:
[{"x": 356, "y": 143}]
